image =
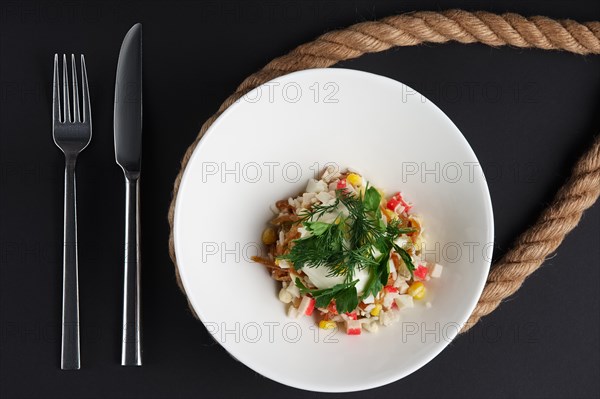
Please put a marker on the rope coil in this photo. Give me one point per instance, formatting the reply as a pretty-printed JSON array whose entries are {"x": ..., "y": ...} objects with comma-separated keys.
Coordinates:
[{"x": 579, "y": 193}]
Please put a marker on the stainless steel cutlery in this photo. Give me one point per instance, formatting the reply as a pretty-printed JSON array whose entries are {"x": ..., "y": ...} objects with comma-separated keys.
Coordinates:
[
  {"x": 128, "y": 153},
  {"x": 72, "y": 132}
]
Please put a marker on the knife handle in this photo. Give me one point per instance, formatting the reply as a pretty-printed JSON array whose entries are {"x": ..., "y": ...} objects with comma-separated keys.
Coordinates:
[
  {"x": 70, "y": 356},
  {"x": 131, "y": 354}
]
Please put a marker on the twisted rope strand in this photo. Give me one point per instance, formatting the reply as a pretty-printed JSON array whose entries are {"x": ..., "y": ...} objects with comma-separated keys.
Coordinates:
[
  {"x": 578, "y": 194},
  {"x": 536, "y": 243}
]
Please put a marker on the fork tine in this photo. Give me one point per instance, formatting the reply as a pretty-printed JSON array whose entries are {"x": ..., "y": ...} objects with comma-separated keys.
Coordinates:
[
  {"x": 56, "y": 93},
  {"x": 66, "y": 105},
  {"x": 85, "y": 92},
  {"x": 75, "y": 90}
]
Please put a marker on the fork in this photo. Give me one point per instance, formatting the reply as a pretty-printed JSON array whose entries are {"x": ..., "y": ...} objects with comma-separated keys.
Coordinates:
[{"x": 71, "y": 133}]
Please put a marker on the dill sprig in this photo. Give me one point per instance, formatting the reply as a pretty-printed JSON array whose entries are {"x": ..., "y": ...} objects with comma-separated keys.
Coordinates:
[
  {"x": 323, "y": 248},
  {"x": 319, "y": 210}
]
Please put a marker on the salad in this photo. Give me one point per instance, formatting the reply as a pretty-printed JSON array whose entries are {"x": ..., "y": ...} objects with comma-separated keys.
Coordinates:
[{"x": 346, "y": 254}]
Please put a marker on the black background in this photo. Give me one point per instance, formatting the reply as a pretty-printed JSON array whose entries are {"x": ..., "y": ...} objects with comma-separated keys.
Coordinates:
[{"x": 527, "y": 114}]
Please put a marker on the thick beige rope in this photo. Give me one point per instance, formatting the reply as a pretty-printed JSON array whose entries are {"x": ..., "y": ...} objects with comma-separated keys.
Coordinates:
[{"x": 578, "y": 194}]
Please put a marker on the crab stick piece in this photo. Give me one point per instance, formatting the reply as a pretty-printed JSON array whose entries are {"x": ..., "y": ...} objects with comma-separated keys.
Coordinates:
[
  {"x": 353, "y": 327},
  {"x": 307, "y": 305}
]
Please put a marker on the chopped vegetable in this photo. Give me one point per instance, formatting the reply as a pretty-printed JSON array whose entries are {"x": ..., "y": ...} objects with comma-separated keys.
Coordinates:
[
  {"x": 354, "y": 179},
  {"x": 375, "y": 311},
  {"x": 327, "y": 324},
  {"x": 416, "y": 290}
]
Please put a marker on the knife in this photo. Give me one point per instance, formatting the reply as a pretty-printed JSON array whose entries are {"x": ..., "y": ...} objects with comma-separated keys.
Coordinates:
[{"x": 128, "y": 153}]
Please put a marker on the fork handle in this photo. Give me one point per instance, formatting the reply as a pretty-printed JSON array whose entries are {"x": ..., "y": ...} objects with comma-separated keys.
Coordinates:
[
  {"x": 131, "y": 354},
  {"x": 70, "y": 356}
]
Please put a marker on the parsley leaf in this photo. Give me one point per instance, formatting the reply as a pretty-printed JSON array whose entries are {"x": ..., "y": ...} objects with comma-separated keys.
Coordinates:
[
  {"x": 372, "y": 199},
  {"x": 378, "y": 274},
  {"x": 317, "y": 228},
  {"x": 346, "y": 298}
]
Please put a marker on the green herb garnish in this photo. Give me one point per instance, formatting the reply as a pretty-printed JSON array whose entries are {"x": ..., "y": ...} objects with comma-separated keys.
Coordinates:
[
  {"x": 317, "y": 228},
  {"x": 356, "y": 240},
  {"x": 346, "y": 299},
  {"x": 406, "y": 258},
  {"x": 372, "y": 199}
]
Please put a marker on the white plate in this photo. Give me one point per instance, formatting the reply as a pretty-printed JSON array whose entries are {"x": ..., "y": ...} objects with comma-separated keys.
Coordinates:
[{"x": 264, "y": 148}]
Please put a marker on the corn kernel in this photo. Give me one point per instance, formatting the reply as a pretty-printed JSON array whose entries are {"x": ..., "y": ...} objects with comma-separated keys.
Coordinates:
[
  {"x": 268, "y": 236},
  {"x": 327, "y": 324},
  {"x": 390, "y": 215},
  {"x": 416, "y": 290},
  {"x": 375, "y": 311},
  {"x": 354, "y": 179}
]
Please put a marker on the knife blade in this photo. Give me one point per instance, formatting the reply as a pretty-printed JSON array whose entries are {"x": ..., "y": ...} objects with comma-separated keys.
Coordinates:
[
  {"x": 128, "y": 154},
  {"x": 128, "y": 103}
]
